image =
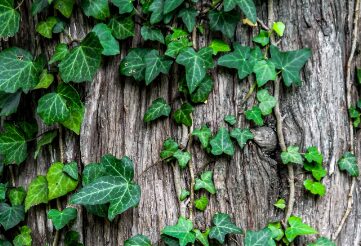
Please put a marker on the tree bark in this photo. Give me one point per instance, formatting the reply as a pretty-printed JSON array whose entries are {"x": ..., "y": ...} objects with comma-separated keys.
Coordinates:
[{"x": 247, "y": 184}]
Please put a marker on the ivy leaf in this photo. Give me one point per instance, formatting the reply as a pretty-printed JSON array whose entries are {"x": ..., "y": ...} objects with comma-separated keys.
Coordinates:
[
  {"x": 206, "y": 182},
  {"x": 45, "y": 28},
  {"x": 138, "y": 240},
  {"x": 262, "y": 38},
  {"x": 183, "y": 115},
  {"x": 255, "y": 114},
  {"x": 9, "y": 19},
  {"x": 313, "y": 154},
  {"x": 156, "y": 8},
  {"x": 196, "y": 64},
  {"x": 297, "y": 228},
  {"x": 46, "y": 79},
  {"x": 355, "y": 115},
  {"x": 230, "y": 119},
  {"x": 292, "y": 155},
  {"x": 61, "y": 51},
  {"x": 265, "y": 71},
  {"x": 219, "y": 46},
  {"x": 317, "y": 170},
  {"x": 37, "y": 192},
  {"x": 182, "y": 231},
  {"x": 322, "y": 241},
  {"x": 258, "y": 238},
  {"x": 3, "y": 188},
  {"x": 290, "y": 63},
  {"x": 267, "y": 102},
  {"x": 247, "y": 7},
  {"x": 125, "y": 6},
  {"x": 202, "y": 237},
  {"x": 116, "y": 188},
  {"x": 242, "y": 136},
  {"x": 10, "y": 216},
  {"x": 9, "y": 103},
  {"x": 348, "y": 163},
  {"x": 65, "y": 7},
  {"x": 18, "y": 70},
  {"x": 184, "y": 194},
  {"x": 281, "y": 204},
  {"x": 46, "y": 139},
  {"x": 108, "y": 42},
  {"x": 62, "y": 218},
  {"x": 38, "y": 5},
  {"x": 72, "y": 239},
  {"x": 52, "y": 108},
  {"x": 99, "y": 9},
  {"x": 158, "y": 109},
  {"x": 121, "y": 27},
  {"x": 315, "y": 188},
  {"x": 177, "y": 46},
  {"x": 183, "y": 157},
  {"x": 279, "y": 28},
  {"x": 59, "y": 183},
  {"x": 24, "y": 238},
  {"x": 201, "y": 93},
  {"x": 222, "y": 226},
  {"x": 155, "y": 64},
  {"x": 13, "y": 145},
  {"x": 188, "y": 16},
  {"x": 277, "y": 230},
  {"x": 169, "y": 148},
  {"x": 152, "y": 34},
  {"x": 204, "y": 134},
  {"x": 71, "y": 169},
  {"x": 83, "y": 61},
  {"x": 225, "y": 22},
  {"x": 170, "y": 5},
  {"x": 222, "y": 143},
  {"x": 17, "y": 196},
  {"x": 201, "y": 203},
  {"x": 133, "y": 64}
]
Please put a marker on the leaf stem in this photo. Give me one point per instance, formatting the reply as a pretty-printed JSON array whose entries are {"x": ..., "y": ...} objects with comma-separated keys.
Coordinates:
[{"x": 249, "y": 93}]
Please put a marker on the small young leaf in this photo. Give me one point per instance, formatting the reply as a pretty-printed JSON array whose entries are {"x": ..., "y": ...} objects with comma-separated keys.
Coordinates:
[
  {"x": 47, "y": 138},
  {"x": 348, "y": 163},
  {"x": 222, "y": 143},
  {"x": 152, "y": 34},
  {"x": 45, "y": 28},
  {"x": 202, "y": 237},
  {"x": 99, "y": 9},
  {"x": 204, "y": 134},
  {"x": 46, "y": 79},
  {"x": 183, "y": 115},
  {"x": 59, "y": 183},
  {"x": 37, "y": 192},
  {"x": 184, "y": 194},
  {"x": 267, "y": 102},
  {"x": 65, "y": 7},
  {"x": 279, "y": 28},
  {"x": 291, "y": 156},
  {"x": 313, "y": 154},
  {"x": 134, "y": 64},
  {"x": 262, "y": 237},
  {"x": 182, "y": 231},
  {"x": 255, "y": 114},
  {"x": 24, "y": 238},
  {"x": 71, "y": 169},
  {"x": 317, "y": 170},
  {"x": 13, "y": 146},
  {"x": 10, "y": 216},
  {"x": 247, "y": 7},
  {"x": 183, "y": 157},
  {"x": 315, "y": 188},
  {"x": 188, "y": 16},
  {"x": 265, "y": 71},
  {"x": 121, "y": 27},
  {"x": 62, "y": 218},
  {"x": 61, "y": 51},
  {"x": 242, "y": 136},
  {"x": 219, "y": 46},
  {"x": 277, "y": 230},
  {"x": 177, "y": 42},
  {"x": 225, "y": 22},
  {"x": 169, "y": 148},
  {"x": 201, "y": 93},
  {"x": 222, "y": 226},
  {"x": 230, "y": 119},
  {"x": 201, "y": 203},
  {"x": 138, "y": 240},
  {"x": 9, "y": 19},
  {"x": 206, "y": 182},
  {"x": 125, "y": 6},
  {"x": 109, "y": 43},
  {"x": 262, "y": 38},
  {"x": 17, "y": 196},
  {"x": 297, "y": 228},
  {"x": 281, "y": 203},
  {"x": 158, "y": 109}
]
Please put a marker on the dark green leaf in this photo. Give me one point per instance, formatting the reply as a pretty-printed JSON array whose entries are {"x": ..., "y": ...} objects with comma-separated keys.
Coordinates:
[
  {"x": 222, "y": 226},
  {"x": 121, "y": 27},
  {"x": 72, "y": 239},
  {"x": 10, "y": 216},
  {"x": 230, "y": 119},
  {"x": 52, "y": 108},
  {"x": 38, "y": 5},
  {"x": 224, "y": 22},
  {"x": 258, "y": 238},
  {"x": 262, "y": 38},
  {"x": 242, "y": 136},
  {"x": 134, "y": 64},
  {"x": 158, "y": 108},
  {"x": 255, "y": 114},
  {"x": 204, "y": 134},
  {"x": 13, "y": 145},
  {"x": 265, "y": 71},
  {"x": 157, "y": 11},
  {"x": 170, "y": 5},
  {"x": 152, "y": 34},
  {"x": 247, "y": 7},
  {"x": 65, "y": 7},
  {"x": 188, "y": 16},
  {"x": 71, "y": 169},
  {"x": 205, "y": 182},
  {"x": 9, "y": 19},
  {"x": 62, "y": 218},
  {"x": 266, "y": 102},
  {"x": 348, "y": 163},
  {"x": 155, "y": 64},
  {"x": 182, "y": 231},
  {"x": 202, "y": 237},
  {"x": 61, "y": 51},
  {"x": 183, "y": 115},
  {"x": 169, "y": 148},
  {"x": 109, "y": 43},
  {"x": 222, "y": 143},
  {"x": 201, "y": 93},
  {"x": 47, "y": 138},
  {"x": 138, "y": 240},
  {"x": 9, "y": 103},
  {"x": 125, "y": 6},
  {"x": 99, "y": 9}
]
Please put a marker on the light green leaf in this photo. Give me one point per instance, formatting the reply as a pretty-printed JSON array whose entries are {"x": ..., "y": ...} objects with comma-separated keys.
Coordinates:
[
  {"x": 313, "y": 154},
  {"x": 201, "y": 93},
  {"x": 222, "y": 143},
  {"x": 121, "y": 27},
  {"x": 247, "y": 7},
  {"x": 188, "y": 16},
  {"x": 61, "y": 51},
  {"x": 202, "y": 237},
  {"x": 13, "y": 145},
  {"x": 347, "y": 163},
  {"x": 10, "y": 216},
  {"x": 45, "y": 28},
  {"x": 170, "y": 5},
  {"x": 71, "y": 169},
  {"x": 9, "y": 19},
  {"x": 99, "y": 9},
  {"x": 255, "y": 114},
  {"x": 184, "y": 194},
  {"x": 155, "y": 64},
  {"x": 201, "y": 203},
  {"x": 83, "y": 61},
  {"x": 258, "y": 238},
  {"x": 169, "y": 148},
  {"x": 225, "y": 22},
  {"x": 182, "y": 231},
  {"x": 317, "y": 170},
  {"x": 176, "y": 46},
  {"x": 279, "y": 28},
  {"x": 322, "y": 241},
  {"x": 292, "y": 155},
  {"x": 222, "y": 226},
  {"x": 183, "y": 115},
  {"x": 138, "y": 240},
  {"x": 59, "y": 183},
  {"x": 230, "y": 119},
  {"x": 297, "y": 228},
  {"x": 206, "y": 182},
  {"x": 62, "y": 218},
  {"x": 65, "y": 7},
  {"x": 219, "y": 46},
  {"x": 277, "y": 230},
  {"x": 156, "y": 8},
  {"x": 37, "y": 192},
  {"x": 158, "y": 109},
  {"x": 183, "y": 157},
  {"x": 17, "y": 196},
  {"x": 46, "y": 79},
  {"x": 24, "y": 238},
  {"x": 52, "y": 108},
  {"x": 125, "y": 6},
  {"x": 204, "y": 134},
  {"x": 315, "y": 188},
  {"x": 152, "y": 34},
  {"x": 134, "y": 64},
  {"x": 265, "y": 71},
  {"x": 290, "y": 63},
  {"x": 266, "y": 101},
  {"x": 242, "y": 136},
  {"x": 281, "y": 203},
  {"x": 46, "y": 139},
  {"x": 262, "y": 38},
  {"x": 109, "y": 43}
]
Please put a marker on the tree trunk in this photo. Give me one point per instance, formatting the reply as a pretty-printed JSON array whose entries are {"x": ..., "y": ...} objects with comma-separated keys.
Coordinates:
[{"x": 247, "y": 184}]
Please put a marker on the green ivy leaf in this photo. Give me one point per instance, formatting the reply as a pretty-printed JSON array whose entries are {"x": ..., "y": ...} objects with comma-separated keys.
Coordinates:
[
  {"x": 59, "y": 183},
  {"x": 277, "y": 230},
  {"x": 317, "y": 170},
  {"x": 158, "y": 109},
  {"x": 201, "y": 93},
  {"x": 72, "y": 239},
  {"x": 46, "y": 79},
  {"x": 83, "y": 61},
  {"x": 10, "y": 216},
  {"x": 37, "y": 192},
  {"x": 71, "y": 169},
  {"x": 219, "y": 46},
  {"x": 297, "y": 228},
  {"x": 183, "y": 195},
  {"x": 267, "y": 102},
  {"x": 138, "y": 240},
  {"x": 125, "y": 6},
  {"x": 183, "y": 115},
  {"x": 3, "y": 188},
  {"x": 290, "y": 63},
  {"x": 45, "y": 28},
  {"x": 355, "y": 115},
  {"x": 225, "y": 22},
  {"x": 322, "y": 241},
  {"x": 315, "y": 188},
  {"x": 152, "y": 34},
  {"x": 121, "y": 27},
  {"x": 99, "y": 9},
  {"x": 46, "y": 139},
  {"x": 18, "y": 70},
  {"x": 196, "y": 65},
  {"x": 259, "y": 238},
  {"x": 222, "y": 226},
  {"x": 292, "y": 155},
  {"x": 188, "y": 16},
  {"x": 38, "y": 5},
  {"x": 9, "y": 103},
  {"x": 222, "y": 143},
  {"x": 108, "y": 42},
  {"x": 13, "y": 145},
  {"x": 247, "y": 7},
  {"x": 65, "y": 7},
  {"x": 156, "y": 8},
  {"x": 133, "y": 64},
  {"x": 348, "y": 163},
  {"x": 183, "y": 157},
  {"x": 169, "y": 148},
  {"x": 202, "y": 237},
  {"x": 17, "y": 196},
  {"x": 281, "y": 204},
  {"x": 265, "y": 71},
  {"x": 255, "y": 114},
  {"x": 230, "y": 119},
  {"x": 242, "y": 136},
  {"x": 24, "y": 238},
  {"x": 155, "y": 64},
  {"x": 177, "y": 46},
  {"x": 201, "y": 203},
  {"x": 9, "y": 19},
  {"x": 116, "y": 188},
  {"x": 182, "y": 231},
  {"x": 279, "y": 28},
  {"x": 61, "y": 51},
  {"x": 313, "y": 154},
  {"x": 204, "y": 134},
  {"x": 170, "y": 5},
  {"x": 62, "y": 218},
  {"x": 205, "y": 182},
  {"x": 52, "y": 108},
  {"x": 262, "y": 38}
]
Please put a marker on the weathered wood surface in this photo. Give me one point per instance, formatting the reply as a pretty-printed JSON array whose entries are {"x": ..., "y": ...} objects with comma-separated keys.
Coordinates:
[{"x": 249, "y": 183}]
